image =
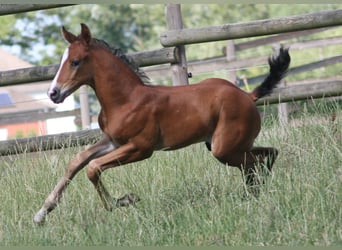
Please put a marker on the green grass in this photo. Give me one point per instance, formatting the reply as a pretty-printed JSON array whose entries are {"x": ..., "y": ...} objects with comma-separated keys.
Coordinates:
[{"x": 188, "y": 198}]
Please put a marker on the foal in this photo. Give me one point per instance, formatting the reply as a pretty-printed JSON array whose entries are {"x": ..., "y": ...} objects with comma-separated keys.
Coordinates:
[{"x": 137, "y": 119}]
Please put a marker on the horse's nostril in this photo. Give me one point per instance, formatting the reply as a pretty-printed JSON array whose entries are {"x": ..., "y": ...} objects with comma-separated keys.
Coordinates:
[{"x": 54, "y": 94}]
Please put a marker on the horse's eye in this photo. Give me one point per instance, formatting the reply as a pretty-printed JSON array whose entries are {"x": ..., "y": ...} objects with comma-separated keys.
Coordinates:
[{"x": 75, "y": 63}]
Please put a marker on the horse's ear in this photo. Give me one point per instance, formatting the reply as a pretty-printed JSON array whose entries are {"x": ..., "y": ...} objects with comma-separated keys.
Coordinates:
[
  {"x": 68, "y": 36},
  {"x": 85, "y": 33}
]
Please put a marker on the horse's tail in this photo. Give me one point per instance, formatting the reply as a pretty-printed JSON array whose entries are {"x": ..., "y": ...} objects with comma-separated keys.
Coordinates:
[{"x": 279, "y": 63}]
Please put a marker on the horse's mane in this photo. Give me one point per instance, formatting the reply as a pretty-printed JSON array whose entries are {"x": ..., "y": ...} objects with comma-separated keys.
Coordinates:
[{"x": 125, "y": 58}]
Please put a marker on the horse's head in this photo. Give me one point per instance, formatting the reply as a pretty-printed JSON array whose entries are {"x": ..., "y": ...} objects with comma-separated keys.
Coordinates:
[{"x": 74, "y": 69}]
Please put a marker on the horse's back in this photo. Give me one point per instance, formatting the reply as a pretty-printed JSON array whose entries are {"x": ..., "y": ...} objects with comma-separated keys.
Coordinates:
[
  {"x": 210, "y": 98},
  {"x": 193, "y": 113},
  {"x": 231, "y": 97},
  {"x": 209, "y": 88}
]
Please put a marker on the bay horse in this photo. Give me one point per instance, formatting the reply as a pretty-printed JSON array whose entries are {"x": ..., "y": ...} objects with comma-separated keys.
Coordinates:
[{"x": 137, "y": 118}]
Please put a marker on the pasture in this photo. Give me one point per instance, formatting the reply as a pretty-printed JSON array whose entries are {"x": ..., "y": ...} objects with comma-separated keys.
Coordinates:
[{"x": 188, "y": 197}]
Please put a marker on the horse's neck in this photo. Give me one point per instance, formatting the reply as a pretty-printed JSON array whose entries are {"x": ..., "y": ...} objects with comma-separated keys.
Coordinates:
[{"x": 114, "y": 81}]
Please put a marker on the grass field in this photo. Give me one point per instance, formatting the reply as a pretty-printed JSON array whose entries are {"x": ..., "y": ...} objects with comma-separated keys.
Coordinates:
[{"x": 188, "y": 198}]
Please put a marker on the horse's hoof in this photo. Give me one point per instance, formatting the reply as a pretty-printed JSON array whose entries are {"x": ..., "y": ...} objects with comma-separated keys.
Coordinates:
[
  {"x": 128, "y": 199},
  {"x": 39, "y": 218}
]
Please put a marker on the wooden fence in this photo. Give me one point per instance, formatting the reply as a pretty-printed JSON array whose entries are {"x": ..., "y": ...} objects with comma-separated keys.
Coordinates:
[
  {"x": 173, "y": 39},
  {"x": 221, "y": 62},
  {"x": 49, "y": 142},
  {"x": 251, "y": 29}
]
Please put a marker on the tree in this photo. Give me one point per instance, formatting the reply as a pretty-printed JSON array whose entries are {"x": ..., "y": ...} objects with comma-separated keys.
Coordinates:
[{"x": 38, "y": 33}]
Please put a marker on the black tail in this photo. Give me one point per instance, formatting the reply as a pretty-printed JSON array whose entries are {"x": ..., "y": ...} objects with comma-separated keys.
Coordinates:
[{"x": 279, "y": 63}]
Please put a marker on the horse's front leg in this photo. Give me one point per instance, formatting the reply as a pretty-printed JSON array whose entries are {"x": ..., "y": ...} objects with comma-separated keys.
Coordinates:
[
  {"x": 76, "y": 164},
  {"x": 124, "y": 154}
]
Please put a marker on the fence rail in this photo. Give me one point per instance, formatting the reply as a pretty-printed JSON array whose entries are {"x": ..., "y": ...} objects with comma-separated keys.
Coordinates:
[
  {"x": 9, "y": 9},
  {"x": 43, "y": 73},
  {"x": 303, "y": 68},
  {"x": 32, "y": 116},
  {"x": 251, "y": 29},
  {"x": 319, "y": 89},
  {"x": 49, "y": 142}
]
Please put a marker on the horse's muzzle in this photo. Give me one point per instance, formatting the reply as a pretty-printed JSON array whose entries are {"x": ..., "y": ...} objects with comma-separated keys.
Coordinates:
[{"x": 55, "y": 95}]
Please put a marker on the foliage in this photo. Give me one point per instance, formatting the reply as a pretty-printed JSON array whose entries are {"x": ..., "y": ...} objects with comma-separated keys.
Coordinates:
[
  {"x": 188, "y": 198},
  {"x": 136, "y": 27},
  {"x": 22, "y": 134},
  {"x": 120, "y": 25}
]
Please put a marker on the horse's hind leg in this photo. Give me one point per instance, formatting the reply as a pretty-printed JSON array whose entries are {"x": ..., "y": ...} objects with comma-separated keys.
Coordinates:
[
  {"x": 259, "y": 157},
  {"x": 265, "y": 156},
  {"x": 208, "y": 145},
  {"x": 248, "y": 161}
]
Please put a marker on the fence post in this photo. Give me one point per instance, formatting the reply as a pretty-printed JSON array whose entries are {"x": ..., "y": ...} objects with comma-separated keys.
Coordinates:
[
  {"x": 283, "y": 114},
  {"x": 84, "y": 103},
  {"x": 230, "y": 56},
  {"x": 174, "y": 21}
]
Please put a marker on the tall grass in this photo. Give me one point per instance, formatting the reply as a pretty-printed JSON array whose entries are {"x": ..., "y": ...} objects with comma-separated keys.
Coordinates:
[{"x": 188, "y": 198}]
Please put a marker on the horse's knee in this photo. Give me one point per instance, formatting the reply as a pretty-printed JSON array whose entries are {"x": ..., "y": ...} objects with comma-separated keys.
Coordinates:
[
  {"x": 230, "y": 158},
  {"x": 93, "y": 171},
  {"x": 245, "y": 162}
]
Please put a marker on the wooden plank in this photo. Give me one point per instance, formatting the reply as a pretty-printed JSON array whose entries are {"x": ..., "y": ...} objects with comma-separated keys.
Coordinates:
[
  {"x": 251, "y": 29},
  {"x": 315, "y": 80},
  {"x": 303, "y": 92},
  {"x": 155, "y": 57},
  {"x": 49, "y": 142},
  {"x": 30, "y": 116},
  {"x": 44, "y": 73},
  {"x": 27, "y": 75},
  {"x": 302, "y": 68},
  {"x": 316, "y": 43},
  {"x": 207, "y": 65},
  {"x": 9, "y": 9},
  {"x": 276, "y": 38}
]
